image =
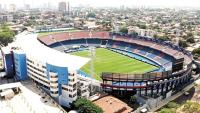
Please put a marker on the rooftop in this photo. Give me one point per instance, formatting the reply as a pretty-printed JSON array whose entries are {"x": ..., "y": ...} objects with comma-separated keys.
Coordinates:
[
  {"x": 110, "y": 104},
  {"x": 33, "y": 48},
  {"x": 30, "y": 99},
  {"x": 10, "y": 85}
]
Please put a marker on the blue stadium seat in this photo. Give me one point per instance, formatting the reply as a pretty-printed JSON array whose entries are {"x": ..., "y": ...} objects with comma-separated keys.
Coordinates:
[
  {"x": 142, "y": 52},
  {"x": 94, "y": 42}
]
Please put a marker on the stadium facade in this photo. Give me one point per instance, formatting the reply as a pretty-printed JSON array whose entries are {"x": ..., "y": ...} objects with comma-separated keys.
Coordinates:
[{"x": 44, "y": 60}]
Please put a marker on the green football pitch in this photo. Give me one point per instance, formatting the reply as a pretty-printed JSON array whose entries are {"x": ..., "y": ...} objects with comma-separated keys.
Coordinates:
[
  {"x": 54, "y": 32},
  {"x": 108, "y": 61}
]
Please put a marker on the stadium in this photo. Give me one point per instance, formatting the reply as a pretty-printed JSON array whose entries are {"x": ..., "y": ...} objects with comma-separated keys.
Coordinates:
[
  {"x": 149, "y": 64},
  {"x": 67, "y": 64}
]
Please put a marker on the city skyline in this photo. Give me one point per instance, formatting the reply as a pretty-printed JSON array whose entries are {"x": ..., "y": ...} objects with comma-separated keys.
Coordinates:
[{"x": 107, "y": 3}]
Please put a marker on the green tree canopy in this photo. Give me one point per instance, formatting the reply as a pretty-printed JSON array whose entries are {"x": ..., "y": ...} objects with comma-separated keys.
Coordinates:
[
  {"x": 164, "y": 38},
  {"x": 30, "y": 23},
  {"x": 172, "y": 105},
  {"x": 91, "y": 15},
  {"x": 142, "y": 26},
  {"x": 123, "y": 30},
  {"x": 85, "y": 106},
  {"x": 134, "y": 34},
  {"x": 6, "y": 35},
  {"x": 196, "y": 52},
  {"x": 182, "y": 43},
  {"x": 166, "y": 110},
  {"x": 133, "y": 99},
  {"x": 189, "y": 35},
  {"x": 191, "y": 107},
  {"x": 190, "y": 40}
]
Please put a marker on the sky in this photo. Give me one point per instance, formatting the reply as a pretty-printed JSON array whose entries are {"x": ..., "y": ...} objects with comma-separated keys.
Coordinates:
[{"x": 111, "y": 3}]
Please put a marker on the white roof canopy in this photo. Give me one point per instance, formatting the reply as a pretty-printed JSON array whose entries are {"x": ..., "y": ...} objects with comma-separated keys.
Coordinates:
[{"x": 33, "y": 48}]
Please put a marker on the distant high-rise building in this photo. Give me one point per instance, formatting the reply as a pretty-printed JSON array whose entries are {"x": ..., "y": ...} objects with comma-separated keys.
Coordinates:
[
  {"x": 122, "y": 7},
  {"x": 12, "y": 8},
  {"x": 5, "y": 7},
  {"x": 62, "y": 6},
  {"x": 68, "y": 7},
  {"x": 27, "y": 6},
  {"x": 49, "y": 5},
  {"x": 0, "y": 7}
]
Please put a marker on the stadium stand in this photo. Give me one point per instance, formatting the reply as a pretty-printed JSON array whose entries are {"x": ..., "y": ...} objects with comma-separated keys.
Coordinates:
[{"x": 150, "y": 50}]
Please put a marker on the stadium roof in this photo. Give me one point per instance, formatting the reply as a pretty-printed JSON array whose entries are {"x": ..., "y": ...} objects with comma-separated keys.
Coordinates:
[
  {"x": 33, "y": 48},
  {"x": 5, "y": 50}
]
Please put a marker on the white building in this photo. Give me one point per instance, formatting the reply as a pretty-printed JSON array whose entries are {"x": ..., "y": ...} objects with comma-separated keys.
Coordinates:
[
  {"x": 12, "y": 8},
  {"x": 54, "y": 71},
  {"x": 141, "y": 32},
  {"x": 62, "y": 6}
]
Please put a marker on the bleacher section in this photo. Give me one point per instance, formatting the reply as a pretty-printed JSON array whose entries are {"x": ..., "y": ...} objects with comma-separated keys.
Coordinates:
[
  {"x": 163, "y": 53},
  {"x": 94, "y": 42},
  {"x": 153, "y": 55},
  {"x": 165, "y": 47},
  {"x": 135, "y": 56},
  {"x": 135, "y": 51}
]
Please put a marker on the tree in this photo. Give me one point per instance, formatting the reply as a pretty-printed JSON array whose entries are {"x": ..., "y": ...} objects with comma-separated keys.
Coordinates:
[
  {"x": 123, "y": 30},
  {"x": 166, "y": 110},
  {"x": 196, "y": 52},
  {"x": 63, "y": 19},
  {"x": 155, "y": 36},
  {"x": 85, "y": 106},
  {"x": 164, "y": 38},
  {"x": 189, "y": 35},
  {"x": 191, "y": 107},
  {"x": 30, "y": 23},
  {"x": 91, "y": 15},
  {"x": 134, "y": 34},
  {"x": 172, "y": 105},
  {"x": 32, "y": 17},
  {"x": 142, "y": 26},
  {"x": 133, "y": 99},
  {"x": 170, "y": 108},
  {"x": 182, "y": 43},
  {"x": 6, "y": 35},
  {"x": 190, "y": 40}
]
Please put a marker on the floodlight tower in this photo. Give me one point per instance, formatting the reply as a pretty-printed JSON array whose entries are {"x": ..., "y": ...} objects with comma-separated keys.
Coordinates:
[
  {"x": 92, "y": 57},
  {"x": 51, "y": 37}
]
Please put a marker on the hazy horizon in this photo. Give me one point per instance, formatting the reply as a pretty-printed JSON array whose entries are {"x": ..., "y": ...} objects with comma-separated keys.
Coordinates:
[{"x": 107, "y": 3}]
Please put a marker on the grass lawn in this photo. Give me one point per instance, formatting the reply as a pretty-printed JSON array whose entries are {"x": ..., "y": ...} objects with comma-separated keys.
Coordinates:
[
  {"x": 109, "y": 61},
  {"x": 48, "y": 33}
]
